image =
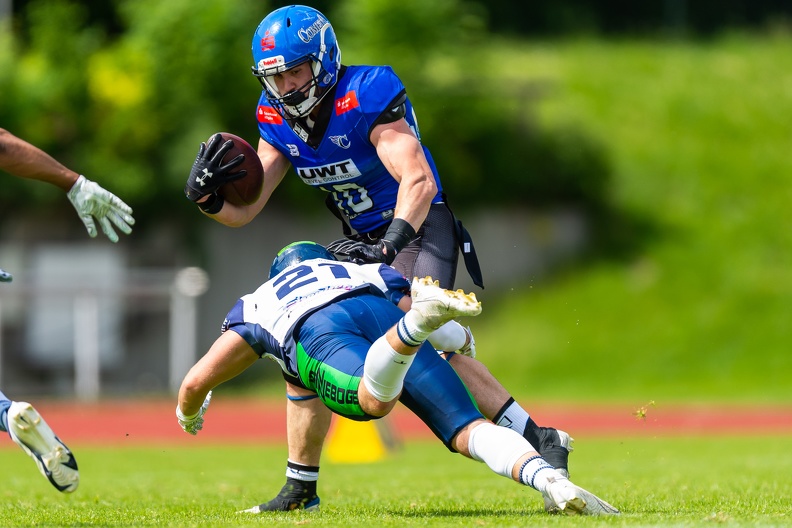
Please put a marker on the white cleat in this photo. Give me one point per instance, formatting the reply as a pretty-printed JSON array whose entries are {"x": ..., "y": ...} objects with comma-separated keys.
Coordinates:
[
  {"x": 438, "y": 306},
  {"x": 29, "y": 430},
  {"x": 574, "y": 500}
]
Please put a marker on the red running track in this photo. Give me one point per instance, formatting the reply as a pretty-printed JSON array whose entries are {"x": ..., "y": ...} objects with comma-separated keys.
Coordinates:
[{"x": 233, "y": 420}]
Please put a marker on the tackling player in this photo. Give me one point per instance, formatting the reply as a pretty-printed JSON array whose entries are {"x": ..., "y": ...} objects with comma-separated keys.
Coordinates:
[
  {"x": 340, "y": 331},
  {"x": 352, "y": 132}
]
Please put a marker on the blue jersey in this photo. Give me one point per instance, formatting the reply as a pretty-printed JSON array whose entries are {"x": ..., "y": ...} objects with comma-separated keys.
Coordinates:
[
  {"x": 345, "y": 163},
  {"x": 266, "y": 319}
]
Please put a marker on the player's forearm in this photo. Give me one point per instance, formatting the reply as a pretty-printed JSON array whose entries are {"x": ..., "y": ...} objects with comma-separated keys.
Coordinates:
[
  {"x": 24, "y": 160},
  {"x": 191, "y": 397},
  {"x": 414, "y": 200},
  {"x": 402, "y": 155}
]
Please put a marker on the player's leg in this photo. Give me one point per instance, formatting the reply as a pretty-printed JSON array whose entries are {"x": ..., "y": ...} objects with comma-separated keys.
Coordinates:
[
  {"x": 434, "y": 252},
  {"x": 307, "y": 423},
  {"x": 390, "y": 356},
  {"x": 308, "y": 417},
  {"x": 498, "y": 406},
  {"x": 30, "y": 432},
  {"x": 508, "y": 454},
  {"x": 434, "y": 392},
  {"x": 335, "y": 368}
]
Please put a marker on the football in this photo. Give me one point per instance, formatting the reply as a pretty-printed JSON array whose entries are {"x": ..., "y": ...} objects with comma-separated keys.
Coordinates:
[{"x": 247, "y": 189}]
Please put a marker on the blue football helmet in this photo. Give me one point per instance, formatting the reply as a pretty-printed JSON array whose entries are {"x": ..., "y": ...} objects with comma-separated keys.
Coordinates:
[
  {"x": 297, "y": 252},
  {"x": 290, "y": 36}
]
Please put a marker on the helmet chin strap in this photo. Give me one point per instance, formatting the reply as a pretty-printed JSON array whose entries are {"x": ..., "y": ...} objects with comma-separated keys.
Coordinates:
[
  {"x": 300, "y": 104},
  {"x": 296, "y": 101}
]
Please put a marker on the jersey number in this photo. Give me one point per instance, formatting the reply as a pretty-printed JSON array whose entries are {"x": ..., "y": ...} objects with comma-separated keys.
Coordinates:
[
  {"x": 299, "y": 276},
  {"x": 350, "y": 198}
]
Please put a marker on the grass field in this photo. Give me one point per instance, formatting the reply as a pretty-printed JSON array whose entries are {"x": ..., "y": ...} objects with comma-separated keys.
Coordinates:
[{"x": 656, "y": 482}]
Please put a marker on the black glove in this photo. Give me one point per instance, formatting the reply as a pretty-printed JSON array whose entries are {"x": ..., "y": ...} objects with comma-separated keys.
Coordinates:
[
  {"x": 382, "y": 252},
  {"x": 399, "y": 234},
  {"x": 208, "y": 173}
]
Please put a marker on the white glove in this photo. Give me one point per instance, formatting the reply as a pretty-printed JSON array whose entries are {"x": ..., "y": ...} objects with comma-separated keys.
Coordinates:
[
  {"x": 470, "y": 348},
  {"x": 193, "y": 424},
  {"x": 91, "y": 200}
]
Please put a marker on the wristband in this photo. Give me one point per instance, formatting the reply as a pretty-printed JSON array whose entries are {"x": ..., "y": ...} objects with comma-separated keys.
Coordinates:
[
  {"x": 183, "y": 418},
  {"x": 212, "y": 205},
  {"x": 399, "y": 234}
]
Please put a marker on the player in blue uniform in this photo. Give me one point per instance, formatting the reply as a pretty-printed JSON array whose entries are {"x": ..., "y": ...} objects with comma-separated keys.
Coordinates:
[
  {"x": 351, "y": 131},
  {"x": 23, "y": 423},
  {"x": 339, "y": 330}
]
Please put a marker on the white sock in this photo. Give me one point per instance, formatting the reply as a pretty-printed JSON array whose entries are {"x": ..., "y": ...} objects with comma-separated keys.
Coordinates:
[
  {"x": 536, "y": 472},
  {"x": 498, "y": 447},
  {"x": 301, "y": 472},
  {"x": 514, "y": 417},
  {"x": 412, "y": 329},
  {"x": 384, "y": 370}
]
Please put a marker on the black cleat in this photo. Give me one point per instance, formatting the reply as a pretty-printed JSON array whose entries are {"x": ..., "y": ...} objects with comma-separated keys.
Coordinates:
[
  {"x": 294, "y": 495},
  {"x": 555, "y": 446}
]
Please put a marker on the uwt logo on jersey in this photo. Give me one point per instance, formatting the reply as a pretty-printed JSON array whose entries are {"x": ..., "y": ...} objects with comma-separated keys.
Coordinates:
[{"x": 332, "y": 172}]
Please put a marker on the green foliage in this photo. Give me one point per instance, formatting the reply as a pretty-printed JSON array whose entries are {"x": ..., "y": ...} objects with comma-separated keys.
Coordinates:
[
  {"x": 130, "y": 111},
  {"x": 655, "y": 482},
  {"x": 698, "y": 143},
  {"x": 41, "y": 99}
]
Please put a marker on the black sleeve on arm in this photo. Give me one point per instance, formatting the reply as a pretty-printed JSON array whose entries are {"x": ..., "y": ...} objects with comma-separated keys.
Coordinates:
[{"x": 396, "y": 110}]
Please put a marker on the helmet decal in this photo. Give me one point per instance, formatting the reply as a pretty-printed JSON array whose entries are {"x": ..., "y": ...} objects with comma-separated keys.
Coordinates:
[
  {"x": 314, "y": 29},
  {"x": 267, "y": 42},
  {"x": 271, "y": 62}
]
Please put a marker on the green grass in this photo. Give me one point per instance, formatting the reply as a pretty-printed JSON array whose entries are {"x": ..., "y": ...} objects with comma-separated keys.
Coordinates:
[
  {"x": 698, "y": 141},
  {"x": 656, "y": 482}
]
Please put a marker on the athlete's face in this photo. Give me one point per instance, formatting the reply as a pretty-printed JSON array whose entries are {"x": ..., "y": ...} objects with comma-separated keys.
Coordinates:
[{"x": 297, "y": 78}]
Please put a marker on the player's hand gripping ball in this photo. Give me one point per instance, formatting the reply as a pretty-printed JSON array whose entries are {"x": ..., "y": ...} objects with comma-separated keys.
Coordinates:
[
  {"x": 245, "y": 190},
  {"x": 229, "y": 166}
]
